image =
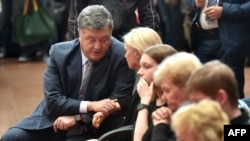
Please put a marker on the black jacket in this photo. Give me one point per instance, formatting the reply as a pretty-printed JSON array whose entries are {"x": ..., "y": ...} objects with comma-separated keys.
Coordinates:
[{"x": 122, "y": 9}]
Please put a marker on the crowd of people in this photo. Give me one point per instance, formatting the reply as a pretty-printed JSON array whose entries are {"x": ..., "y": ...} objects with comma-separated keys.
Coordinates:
[{"x": 109, "y": 75}]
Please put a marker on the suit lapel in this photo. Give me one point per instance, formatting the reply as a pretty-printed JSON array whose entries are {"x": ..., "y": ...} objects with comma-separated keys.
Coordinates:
[{"x": 74, "y": 72}]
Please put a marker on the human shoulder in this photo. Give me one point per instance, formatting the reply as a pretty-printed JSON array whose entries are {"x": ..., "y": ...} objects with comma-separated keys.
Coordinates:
[
  {"x": 64, "y": 49},
  {"x": 117, "y": 47},
  {"x": 242, "y": 119},
  {"x": 67, "y": 44}
]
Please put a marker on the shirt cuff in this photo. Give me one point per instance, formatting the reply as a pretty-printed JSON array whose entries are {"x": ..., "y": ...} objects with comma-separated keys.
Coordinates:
[{"x": 84, "y": 107}]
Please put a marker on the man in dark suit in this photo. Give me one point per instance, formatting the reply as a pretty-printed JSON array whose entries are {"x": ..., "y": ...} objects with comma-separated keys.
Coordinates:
[
  {"x": 222, "y": 32},
  {"x": 62, "y": 115}
]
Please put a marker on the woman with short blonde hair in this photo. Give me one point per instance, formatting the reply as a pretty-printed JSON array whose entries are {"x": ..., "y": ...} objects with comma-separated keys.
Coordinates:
[
  {"x": 136, "y": 41},
  {"x": 203, "y": 121}
]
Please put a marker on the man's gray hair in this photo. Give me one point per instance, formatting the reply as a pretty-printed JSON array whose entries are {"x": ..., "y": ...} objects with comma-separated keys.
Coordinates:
[{"x": 94, "y": 17}]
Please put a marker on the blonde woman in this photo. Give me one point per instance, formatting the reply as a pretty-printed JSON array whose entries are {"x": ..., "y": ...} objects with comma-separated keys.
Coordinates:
[
  {"x": 136, "y": 41},
  {"x": 206, "y": 118}
]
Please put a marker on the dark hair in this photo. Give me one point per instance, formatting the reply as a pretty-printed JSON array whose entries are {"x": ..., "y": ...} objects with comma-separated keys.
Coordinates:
[{"x": 159, "y": 52}]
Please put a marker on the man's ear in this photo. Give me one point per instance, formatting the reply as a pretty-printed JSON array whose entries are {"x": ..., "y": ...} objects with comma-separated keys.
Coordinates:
[{"x": 222, "y": 97}]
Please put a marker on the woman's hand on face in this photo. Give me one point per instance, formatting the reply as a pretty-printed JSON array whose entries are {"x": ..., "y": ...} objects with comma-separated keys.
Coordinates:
[{"x": 145, "y": 91}]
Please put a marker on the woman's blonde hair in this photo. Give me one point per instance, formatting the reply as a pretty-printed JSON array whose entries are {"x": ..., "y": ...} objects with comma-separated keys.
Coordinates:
[
  {"x": 140, "y": 38},
  {"x": 204, "y": 120},
  {"x": 177, "y": 68}
]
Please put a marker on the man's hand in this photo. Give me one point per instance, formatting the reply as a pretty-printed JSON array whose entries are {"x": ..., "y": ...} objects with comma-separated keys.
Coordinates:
[
  {"x": 161, "y": 115},
  {"x": 64, "y": 123},
  {"x": 106, "y": 106},
  {"x": 214, "y": 12}
]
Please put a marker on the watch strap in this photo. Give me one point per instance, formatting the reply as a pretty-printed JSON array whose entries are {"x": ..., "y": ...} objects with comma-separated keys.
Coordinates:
[{"x": 141, "y": 106}]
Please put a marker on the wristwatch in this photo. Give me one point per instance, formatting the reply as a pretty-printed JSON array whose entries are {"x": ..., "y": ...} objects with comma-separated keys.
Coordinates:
[
  {"x": 142, "y": 106},
  {"x": 78, "y": 117}
]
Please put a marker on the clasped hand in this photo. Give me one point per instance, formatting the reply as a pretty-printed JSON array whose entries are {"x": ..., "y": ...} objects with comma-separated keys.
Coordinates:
[
  {"x": 105, "y": 106},
  {"x": 161, "y": 115},
  {"x": 108, "y": 108},
  {"x": 64, "y": 123}
]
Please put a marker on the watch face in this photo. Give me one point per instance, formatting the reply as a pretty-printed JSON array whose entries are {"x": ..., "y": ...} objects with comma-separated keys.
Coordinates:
[{"x": 77, "y": 117}]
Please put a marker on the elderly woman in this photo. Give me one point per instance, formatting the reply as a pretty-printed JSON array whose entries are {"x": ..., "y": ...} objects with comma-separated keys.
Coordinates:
[{"x": 172, "y": 75}]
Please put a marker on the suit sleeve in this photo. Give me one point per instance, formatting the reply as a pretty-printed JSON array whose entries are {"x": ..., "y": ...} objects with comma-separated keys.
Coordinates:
[
  {"x": 57, "y": 102},
  {"x": 236, "y": 11}
]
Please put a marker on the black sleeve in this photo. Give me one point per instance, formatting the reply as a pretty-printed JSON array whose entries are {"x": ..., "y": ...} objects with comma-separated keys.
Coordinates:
[
  {"x": 147, "y": 14},
  {"x": 162, "y": 132},
  {"x": 76, "y": 7}
]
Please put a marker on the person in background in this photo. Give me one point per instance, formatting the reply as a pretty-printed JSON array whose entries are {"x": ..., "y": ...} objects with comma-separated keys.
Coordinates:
[
  {"x": 213, "y": 25},
  {"x": 247, "y": 101},
  {"x": 175, "y": 21},
  {"x": 171, "y": 76},
  {"x": 5, "y": 25},
  {"x": 123, "y": 13},
  {"x": 66, "y": 111},
  {"x": 205, "y": 117},
  {"x": 150, "y": 95},
  {"x": 216, "y": 81},
  {"x": 32, "y": 52},
  {"x": 166, "y": 24}
]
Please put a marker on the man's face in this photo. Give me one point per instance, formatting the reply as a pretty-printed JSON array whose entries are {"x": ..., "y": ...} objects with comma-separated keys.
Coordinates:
[{"x": 95, "y": 43}]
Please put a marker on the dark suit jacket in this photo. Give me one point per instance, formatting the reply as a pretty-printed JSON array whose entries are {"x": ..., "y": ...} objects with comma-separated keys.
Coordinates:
[
  {"x": 110, "y": 78},
  {"x": 234, "y": 27}
]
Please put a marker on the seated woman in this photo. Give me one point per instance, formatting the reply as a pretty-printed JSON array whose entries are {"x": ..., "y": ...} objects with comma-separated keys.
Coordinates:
[
  {"x": 149, "y": 94},
  {"x": 189, "y": 120},
  {"x": 172, "y": 75}
]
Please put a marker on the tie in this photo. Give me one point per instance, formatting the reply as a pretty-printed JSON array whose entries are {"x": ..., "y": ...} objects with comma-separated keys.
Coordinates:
[
  {"x": 87, "y": 68},
  {"x": 210, "y": 3},
  {"x": 86, "y": 71}
]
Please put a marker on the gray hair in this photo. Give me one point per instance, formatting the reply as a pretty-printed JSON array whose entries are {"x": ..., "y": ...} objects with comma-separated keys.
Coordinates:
[{"x": 94, "y": 17}]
